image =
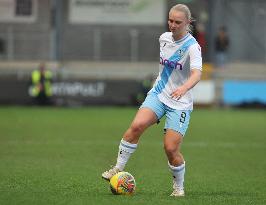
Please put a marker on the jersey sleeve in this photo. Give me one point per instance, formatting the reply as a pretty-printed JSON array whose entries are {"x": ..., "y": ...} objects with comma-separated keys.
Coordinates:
[
  {"x": 165, "y": 37},
  {"x": 195, "y": 57}
]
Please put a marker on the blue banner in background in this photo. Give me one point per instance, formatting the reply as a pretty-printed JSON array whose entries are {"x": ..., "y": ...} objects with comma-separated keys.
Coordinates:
[{"x": 239, "y": 92}]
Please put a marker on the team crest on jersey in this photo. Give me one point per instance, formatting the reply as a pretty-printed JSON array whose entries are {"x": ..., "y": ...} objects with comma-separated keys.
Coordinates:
[{"x": 180, "y": 52}]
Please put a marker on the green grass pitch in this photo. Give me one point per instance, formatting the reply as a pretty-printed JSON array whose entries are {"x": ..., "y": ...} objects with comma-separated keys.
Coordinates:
[{"x": 57, "y": 155}]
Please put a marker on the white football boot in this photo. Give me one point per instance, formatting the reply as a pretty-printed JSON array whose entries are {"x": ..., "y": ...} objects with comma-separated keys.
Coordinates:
[
  {"x": 107, "y": 175},
  {"x": 178, "y": 191}
]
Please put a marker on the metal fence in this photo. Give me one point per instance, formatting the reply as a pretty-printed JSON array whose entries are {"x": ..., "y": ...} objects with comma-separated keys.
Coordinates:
[
  {"x": 245, "y": 22},
  {"x": 52, "y": 37}
]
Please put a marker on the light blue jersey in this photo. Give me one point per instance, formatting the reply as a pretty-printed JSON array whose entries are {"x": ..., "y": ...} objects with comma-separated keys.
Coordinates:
[{"x": 177, "y": 58}]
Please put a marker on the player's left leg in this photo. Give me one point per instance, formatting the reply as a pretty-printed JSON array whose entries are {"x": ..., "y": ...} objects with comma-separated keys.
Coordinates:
[
  {"x": 176, "y": 125},
  {"x": 176, "y": 163}
]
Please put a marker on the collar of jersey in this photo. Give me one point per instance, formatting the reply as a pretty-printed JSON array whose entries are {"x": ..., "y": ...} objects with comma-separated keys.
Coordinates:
[{"x": 182, "y": 39}]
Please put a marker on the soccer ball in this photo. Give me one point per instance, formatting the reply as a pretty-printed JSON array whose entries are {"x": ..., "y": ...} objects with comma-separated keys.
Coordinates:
[{"x": 123, "y": 183}]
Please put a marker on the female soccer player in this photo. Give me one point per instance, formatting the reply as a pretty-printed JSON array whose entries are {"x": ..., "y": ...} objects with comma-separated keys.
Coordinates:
[{"x": 179, "y": 71}]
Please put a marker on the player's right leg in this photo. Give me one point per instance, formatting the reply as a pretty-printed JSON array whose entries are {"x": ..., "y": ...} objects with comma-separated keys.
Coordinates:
[
  {"x": 143, "y": 119},
  {"x": 147, "y": 115}
]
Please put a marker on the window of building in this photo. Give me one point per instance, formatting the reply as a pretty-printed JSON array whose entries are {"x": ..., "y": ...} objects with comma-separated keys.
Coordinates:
[{"x": 24, "y": 7}]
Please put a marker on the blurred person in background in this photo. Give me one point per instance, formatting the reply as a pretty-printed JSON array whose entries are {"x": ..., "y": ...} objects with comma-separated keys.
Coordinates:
[
  {"x": 2, "y": 48},
  {"x": 146, "y": 85},
  {"x": 200, "y": 36},
  {"x": 180, "y": 69},
  {"x": 41, "y": 85},
  {"x": 221, "y": 48}
]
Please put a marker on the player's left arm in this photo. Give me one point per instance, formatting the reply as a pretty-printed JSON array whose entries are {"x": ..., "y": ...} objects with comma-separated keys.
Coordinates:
[
  {"x": 195, "y": 73},
  {"x": 193, "y": 79}
]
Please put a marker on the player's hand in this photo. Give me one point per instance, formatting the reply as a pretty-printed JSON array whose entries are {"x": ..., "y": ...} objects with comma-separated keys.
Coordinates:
[{"x": 179, "y": 92}]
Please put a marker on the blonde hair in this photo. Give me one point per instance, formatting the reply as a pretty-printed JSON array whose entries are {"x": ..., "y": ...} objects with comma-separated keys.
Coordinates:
[{"x": 184, "y": 8}]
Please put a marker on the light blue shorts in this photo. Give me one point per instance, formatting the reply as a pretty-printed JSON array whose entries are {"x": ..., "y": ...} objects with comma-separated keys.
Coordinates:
[{"x": 177, "y": 120}]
